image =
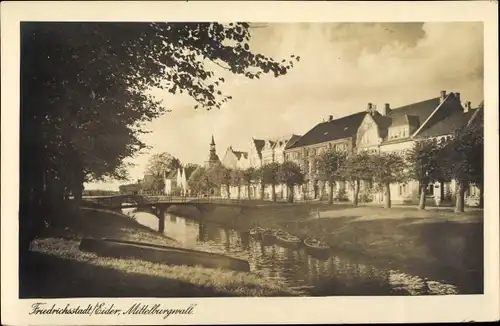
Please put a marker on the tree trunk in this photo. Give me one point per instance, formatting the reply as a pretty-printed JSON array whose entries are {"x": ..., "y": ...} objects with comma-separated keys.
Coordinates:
[
  {"x": 330, "y": 193},
  {"x": 290, "y": 193},
  {"x": 460, "y": 202},
  {"x": 239, "y": 191},
  {"x": 248, "y": 191},
  {"x": 78, "y": 188},
  {"x": 273, "y": 192},
  {"x": 356, "y": 193},
  {"x": 262, "y": 191},
  {"x": 423, "y": 195},
  {"x": 387, "y": 195},
  {"x": 228, "y": 191}
]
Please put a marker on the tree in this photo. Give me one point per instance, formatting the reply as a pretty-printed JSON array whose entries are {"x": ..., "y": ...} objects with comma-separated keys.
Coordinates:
[
  {"x": 237, "y": 180},
  {"x": 465, "y": 152},
  {"x": 390, "y": 168},
  {"x": 248, "y": 177},
  {"x": 220, "y": 176},
  {"x": 290, "y": 174},
  {"x": 358, "y": 168},
  {"x": 199, "y": 182},
  {"x": 162, "y": 163},
  {"x": 86, "y": 93},
  {"x": 329, "y": 166},
  {"x": 259, "y": 176},
  {"x": 129, "y": 188},
  {"x": 270, "y": 177},
  {"x": 159, "y": 165},
  {"x": 190, "y": 168},
  {"x": 425, "y": 164}
]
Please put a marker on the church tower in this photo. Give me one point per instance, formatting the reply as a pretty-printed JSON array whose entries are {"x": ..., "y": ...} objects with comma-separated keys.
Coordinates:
[{"x": 213, "y": 159}]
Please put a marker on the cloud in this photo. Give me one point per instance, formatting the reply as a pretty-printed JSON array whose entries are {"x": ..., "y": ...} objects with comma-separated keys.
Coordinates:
[{"x": 342, "y": 67}]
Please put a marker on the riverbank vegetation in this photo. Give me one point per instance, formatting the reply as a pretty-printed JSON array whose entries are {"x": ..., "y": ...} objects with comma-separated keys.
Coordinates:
[{"x": 55, "y": 267}]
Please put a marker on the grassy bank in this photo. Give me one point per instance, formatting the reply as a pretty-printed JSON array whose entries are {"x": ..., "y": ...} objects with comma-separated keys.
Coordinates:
[
  {"x": 438, "y": 244},
  {"x": 57, "y": 268}
]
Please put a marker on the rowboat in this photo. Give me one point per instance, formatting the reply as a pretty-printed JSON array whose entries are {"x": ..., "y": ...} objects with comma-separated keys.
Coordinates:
[
  {"x": 287, "y": 240},
  {"x": 161, "y": 254},
  {"x": 317, "y": 248},
  {"x": 268, "y": 237},
  {"x": 257, "y": 232}
]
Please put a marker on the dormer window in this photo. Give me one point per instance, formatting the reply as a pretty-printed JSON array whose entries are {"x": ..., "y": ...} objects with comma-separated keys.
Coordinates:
[{"x": 398, "y": 132}]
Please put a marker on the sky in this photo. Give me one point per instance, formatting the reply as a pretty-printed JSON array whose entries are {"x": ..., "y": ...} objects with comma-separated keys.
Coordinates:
[{"x": 343, "y": 66}]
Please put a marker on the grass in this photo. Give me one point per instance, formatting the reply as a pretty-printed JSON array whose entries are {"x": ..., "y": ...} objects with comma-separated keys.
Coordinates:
[
  {"x": 438, "y": 244},
  {"x": 57, "y": 268}
]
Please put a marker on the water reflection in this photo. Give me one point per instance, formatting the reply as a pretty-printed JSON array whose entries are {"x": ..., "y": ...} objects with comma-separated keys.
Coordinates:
[{"x": 332, "y": 276}]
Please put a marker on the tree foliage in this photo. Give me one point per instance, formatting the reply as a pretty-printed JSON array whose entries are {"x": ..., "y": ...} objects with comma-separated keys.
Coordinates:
[
  {"x": 388, "y": 168},
  {"x": 426, "y": 165},
  {"x": 290, "y": 174},
  {"x": 329, "y": 167},
  {"x": 199, "y": 182},
  {"x": 161, "y": 164},
  {"x": 189, "y": 168},
  {"x": 158, "y": 167},
  {"x": 248, "y": 177},
  {"x": 358, "y": 167},
  {"x": 237, "y": 179},
  {"x": 86, "y": 94},
  {"x": 465, "y": 153},
  {"x": 258, "y": 175},
  {"x": 220, "y": 175},
  {"x": 270, "y": 176}
]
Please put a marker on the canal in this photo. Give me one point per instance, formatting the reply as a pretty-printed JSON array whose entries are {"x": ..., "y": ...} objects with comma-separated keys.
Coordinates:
[{"x": 335, "y": 275}]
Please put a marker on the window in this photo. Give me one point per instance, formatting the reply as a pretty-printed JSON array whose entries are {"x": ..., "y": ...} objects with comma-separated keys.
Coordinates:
[{"x": 403, "y": 189}]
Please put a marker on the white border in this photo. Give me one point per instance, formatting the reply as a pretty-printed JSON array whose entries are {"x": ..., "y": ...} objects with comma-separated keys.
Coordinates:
[{"x": 255, "y": 310}]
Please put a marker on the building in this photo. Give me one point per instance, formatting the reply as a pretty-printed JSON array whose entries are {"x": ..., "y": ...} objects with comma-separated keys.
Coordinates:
[
  {"x": 213, "y": 159},
  {"x": 397, "y": 130},
  {"x": 176, "y": 182},
  {"x": 334, "y": 133},
  {"x": 234, "y": 159},
  {"x": 261, "y": 152},
  {"x": 387, "y": 130}
]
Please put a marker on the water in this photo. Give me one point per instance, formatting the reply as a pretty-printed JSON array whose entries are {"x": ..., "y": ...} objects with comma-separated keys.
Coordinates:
[{"x": 336, "y": 275}]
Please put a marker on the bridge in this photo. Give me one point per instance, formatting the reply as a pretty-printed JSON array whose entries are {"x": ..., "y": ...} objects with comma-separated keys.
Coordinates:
[
  {"x": 139, "y": 201},
  {"x": 159, "y": 204}
]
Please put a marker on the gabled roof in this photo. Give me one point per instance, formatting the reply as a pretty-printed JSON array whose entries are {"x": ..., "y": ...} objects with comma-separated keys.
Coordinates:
[
  {"x": 447, "y": 125},
  {"x": 259, "y": 145},
  {"x": 415, "y": 113},
  {"x": 331, "y": 130},
  {"x": 383, "y": 123},
  {"x": 240, "y": 154},
  {"x": 292, "y": 141}
]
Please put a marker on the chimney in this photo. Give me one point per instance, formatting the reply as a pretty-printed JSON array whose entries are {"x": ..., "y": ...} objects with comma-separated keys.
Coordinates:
[
  {"x": 466, "y": 106},
  {"x": 330, "y": 118},
  {"x": 387, "y": 109},
  {"x": 457, "y": 95},
  {"x": 443, "y": 96}
]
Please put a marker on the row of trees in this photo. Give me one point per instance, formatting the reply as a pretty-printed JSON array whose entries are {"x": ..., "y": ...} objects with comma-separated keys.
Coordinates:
[
  {"x": 459, "y": 158},
  {"x": 204, "y": 180}
]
